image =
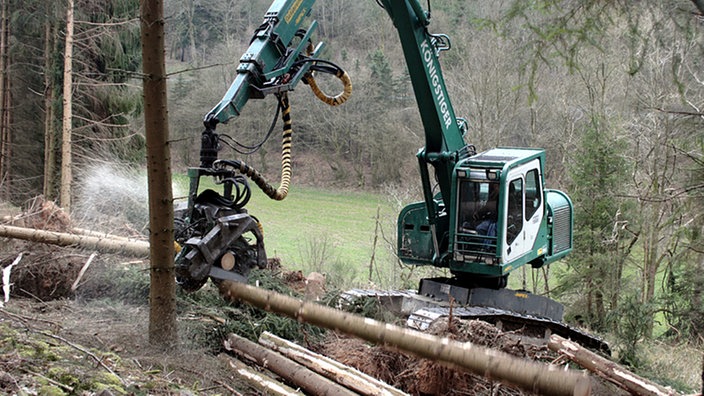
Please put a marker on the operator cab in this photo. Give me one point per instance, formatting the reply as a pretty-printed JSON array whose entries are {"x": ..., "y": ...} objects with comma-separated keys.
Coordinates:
[{"x": 501, "y": 216}]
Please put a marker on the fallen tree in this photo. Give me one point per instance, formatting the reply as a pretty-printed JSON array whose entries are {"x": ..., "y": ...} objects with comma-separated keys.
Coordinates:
[
  {"x": 531, "y": 376},
  {"x": 103, "y": 244},
  {"x": 607, "y": 369},
  {"x": 262, "y": 383}
]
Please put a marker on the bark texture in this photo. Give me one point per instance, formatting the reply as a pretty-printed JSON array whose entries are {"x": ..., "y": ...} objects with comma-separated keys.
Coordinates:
[
  {"x": 330, "y": 368},
  {"x": 162, "y": 314},
  {"x": 102, "y": 244},
  {"x": 262, "y": 383},
  {"x": 5, "y": 138},
  {"x": 309, "y": 381},
  {"x": 607, "y": 369},
  {"x": 67, "y": 125}
]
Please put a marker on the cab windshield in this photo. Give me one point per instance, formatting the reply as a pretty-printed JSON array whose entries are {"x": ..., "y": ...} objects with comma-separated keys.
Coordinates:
[{"x": 478, "y": 207}]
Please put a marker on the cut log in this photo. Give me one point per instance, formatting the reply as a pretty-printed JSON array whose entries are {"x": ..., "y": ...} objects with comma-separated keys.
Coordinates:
[
  {"x": 101, "y": 244},
  {"x": 529, "y": 375},
  {"x": 261, "y": 382},
  {"x": 82, "y": 272},
  {"x": 607, "y": 369},
  {"x": 312, "y": 383},
  {"x": 330, "y": 368},
  {"x": 98, "y": 234}
]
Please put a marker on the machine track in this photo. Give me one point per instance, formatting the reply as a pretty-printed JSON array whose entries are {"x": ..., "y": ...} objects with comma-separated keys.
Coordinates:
[{"x": 421, "y": 311}]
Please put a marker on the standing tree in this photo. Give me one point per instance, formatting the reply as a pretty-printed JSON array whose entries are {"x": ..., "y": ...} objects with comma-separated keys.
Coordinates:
[
  {"x": 598, "y": 259},
  {"x": 162, "y": 314},
  {"x": 4, "y": 98},
  {"x": 67, "y": 127},
  {"x": 104, "y": 54},
  {"x": 50, "y": 92}
]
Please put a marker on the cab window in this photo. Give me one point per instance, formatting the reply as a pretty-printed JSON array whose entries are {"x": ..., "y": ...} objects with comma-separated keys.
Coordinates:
[
  {"x": 514, "y": 217},
  {"x": 478, "y": 207},
  {"x": 534, "y": 196}
]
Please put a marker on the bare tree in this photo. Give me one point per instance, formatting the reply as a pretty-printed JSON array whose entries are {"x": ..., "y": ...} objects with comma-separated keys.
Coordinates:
[
  {"x": 5, "y": 141},
  {"x": 50, "y": 138},
  {"x": 67, "y": 125},
  {"x": 162, "y": 314}
]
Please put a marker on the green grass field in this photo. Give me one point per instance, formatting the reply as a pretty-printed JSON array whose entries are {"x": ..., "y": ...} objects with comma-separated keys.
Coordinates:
[
  {"x": 331, "y": 232},
  {"x": 326, "y": 231}
]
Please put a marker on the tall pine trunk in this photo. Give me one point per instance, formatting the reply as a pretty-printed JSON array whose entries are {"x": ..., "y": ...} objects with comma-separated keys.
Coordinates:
[
  {"x": 5, "y": 141},
  {"x": 49, "y": 95},
  {"x": 66, "y": 154},
  {"x": 162, "y": 313}
]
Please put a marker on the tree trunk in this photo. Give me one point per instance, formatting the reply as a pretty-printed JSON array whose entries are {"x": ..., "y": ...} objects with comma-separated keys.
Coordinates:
[
  {"x": 162, "y": 314},
  {"x": 67, "y": 125},
  {"x": 310, "y": 382},
  {"x": 4, "y": 101},
  {"x": 49, "y": 92},
  {"x": 262, "y": 383},
  {"x": 192, "y": 33},
  {"x": 105, "y": 244},
  {"x": 532, "y": 376},
  {"x": 606, "y": 368}
]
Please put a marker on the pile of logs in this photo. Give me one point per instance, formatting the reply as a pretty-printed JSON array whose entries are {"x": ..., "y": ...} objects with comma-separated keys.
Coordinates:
[
  {"x": 312, "y": 373},
  {"x": 315, "y": 374},
  {"x": 528, "y": 375}
]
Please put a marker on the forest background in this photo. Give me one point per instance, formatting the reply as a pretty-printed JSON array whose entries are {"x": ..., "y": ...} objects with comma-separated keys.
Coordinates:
[{"x": 614, "y": 91}]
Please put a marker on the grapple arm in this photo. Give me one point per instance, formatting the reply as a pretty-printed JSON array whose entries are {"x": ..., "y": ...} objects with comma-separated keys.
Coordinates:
[
  {"x": 273, "y": 63},
  {"x": 220, "y": 239}
]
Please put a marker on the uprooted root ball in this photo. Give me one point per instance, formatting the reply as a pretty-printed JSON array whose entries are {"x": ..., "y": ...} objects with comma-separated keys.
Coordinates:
[
  {"x": 44, "y": 272},
  {"x": 424, "y": 377}
]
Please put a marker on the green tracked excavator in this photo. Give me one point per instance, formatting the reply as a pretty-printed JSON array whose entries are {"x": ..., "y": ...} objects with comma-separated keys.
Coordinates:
[{"x": 483, "y": 215}]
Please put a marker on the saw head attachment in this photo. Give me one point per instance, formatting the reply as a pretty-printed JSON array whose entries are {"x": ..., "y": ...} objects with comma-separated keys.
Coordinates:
[{"x": 218, "y": 242}]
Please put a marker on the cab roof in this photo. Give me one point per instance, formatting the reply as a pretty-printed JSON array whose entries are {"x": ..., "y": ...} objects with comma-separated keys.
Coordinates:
[{"x": 504, "y": 156}]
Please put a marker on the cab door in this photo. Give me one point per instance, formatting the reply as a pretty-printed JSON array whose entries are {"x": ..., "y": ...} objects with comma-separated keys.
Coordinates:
[{"x": 523, "y": 210}]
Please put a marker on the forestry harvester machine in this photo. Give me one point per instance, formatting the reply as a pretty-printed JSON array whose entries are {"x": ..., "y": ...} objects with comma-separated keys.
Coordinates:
[{"x": 490, "y": 216}]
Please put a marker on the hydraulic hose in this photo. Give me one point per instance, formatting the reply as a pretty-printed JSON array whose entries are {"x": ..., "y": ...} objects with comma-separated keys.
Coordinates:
[
  {"x": 272, "y": 192},
  {"x": 282, "y": 191},
  {"x": 339, "y": 73},
  {"x": 337, "y": 99}
]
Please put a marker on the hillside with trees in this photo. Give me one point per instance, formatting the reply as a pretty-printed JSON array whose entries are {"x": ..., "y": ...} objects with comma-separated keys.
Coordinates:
[{"x": 614, "y": 91}]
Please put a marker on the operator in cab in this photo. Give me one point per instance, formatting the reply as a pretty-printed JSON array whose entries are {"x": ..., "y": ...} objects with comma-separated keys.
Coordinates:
[
  {"x": 487, "y": 215},
  {"x": 480, "y": 202}
]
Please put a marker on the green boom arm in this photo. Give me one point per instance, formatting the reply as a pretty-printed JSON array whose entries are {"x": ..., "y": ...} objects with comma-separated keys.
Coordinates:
[
  {"x": 269, "y": 64},
  {"x": 215, "y": 229},
  {"x": 280, "y": 55},
  {"x": 444, "y": 133}
]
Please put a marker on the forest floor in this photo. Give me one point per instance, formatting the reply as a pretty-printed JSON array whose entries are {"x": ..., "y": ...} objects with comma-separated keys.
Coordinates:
[
  {"x": 66, "y": 347},
  {"x": 94, "y": 340}
]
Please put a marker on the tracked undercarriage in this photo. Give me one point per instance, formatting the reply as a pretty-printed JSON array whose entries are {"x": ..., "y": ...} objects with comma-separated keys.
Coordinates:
[{"x": 532, "y": 317}]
